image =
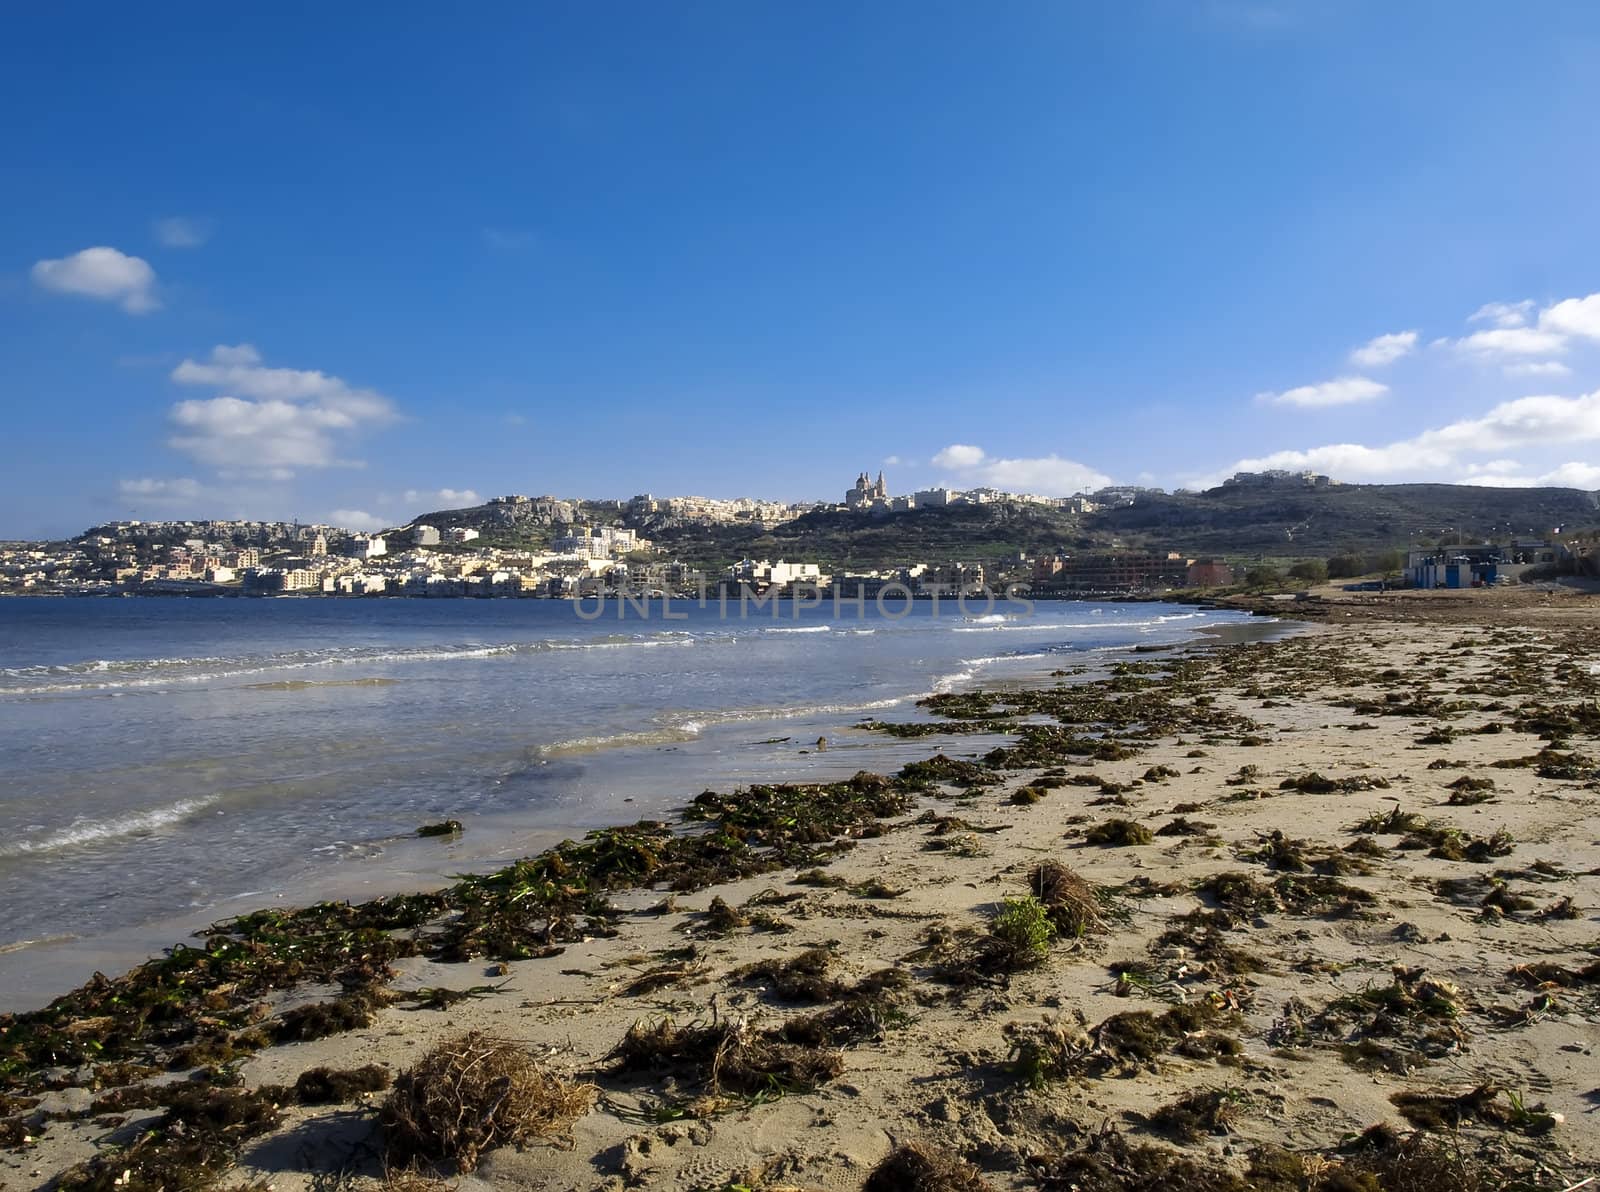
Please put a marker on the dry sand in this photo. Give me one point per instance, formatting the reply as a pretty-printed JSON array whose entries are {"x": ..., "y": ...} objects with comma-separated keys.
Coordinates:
[{"x": 942, "y": 1066}]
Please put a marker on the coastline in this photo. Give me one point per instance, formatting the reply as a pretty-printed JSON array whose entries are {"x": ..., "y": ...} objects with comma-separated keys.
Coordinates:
[
  {"x": 1346, "y": 701},
  {"x": 522, "y": 790}
]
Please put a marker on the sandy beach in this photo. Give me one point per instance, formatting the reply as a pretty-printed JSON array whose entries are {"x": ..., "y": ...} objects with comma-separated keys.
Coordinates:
[{"x": 1331, "y": 881}]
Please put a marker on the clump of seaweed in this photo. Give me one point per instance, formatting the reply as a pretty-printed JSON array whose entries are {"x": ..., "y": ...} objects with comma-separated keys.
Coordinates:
[
  {"x": 807, "y": 977},
  {"x": 188, "y": 1146},
  {"x": 476, "y": 1092},
  {"x": 1452, "y": 844},
  {"x": 1072, "y": 903},
  {"x": 1118, "y": 833},
  {"x": 1109, "y": 1162},
  {"x": 1199, "y": 1113},
  {"x": 1183, "y": 826},
  {"x": 329, "y": 1086},
  {"x": 1487, "y": 1103},
  {"x": 449, "y": 827},
  {"x": 1313, "y": 783},
  {"x": 1395, "y": 822},
  {"x": 721, "y": 918},
  {"x": 940, "y": 769},
  {"x": 820, "y": 878},
  {"x": 1278, "y": 851},
  {"x": 924, "y": 1167},
  {"x": 725, "y": 1056}
]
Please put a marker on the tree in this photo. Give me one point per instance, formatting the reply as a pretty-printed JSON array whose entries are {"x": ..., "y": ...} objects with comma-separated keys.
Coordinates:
[
  {"x": 1389, "y": 560},
  {"x": 1263, "y": 577},
  {"x": 1312, "y": 571},
  {"x": 1346, "y": 566}
]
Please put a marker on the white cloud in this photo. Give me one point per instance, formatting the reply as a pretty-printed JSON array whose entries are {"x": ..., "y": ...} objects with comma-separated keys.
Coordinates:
[
  {"x": 1503, "y": 314},
  {"x": 1513, "y": 335},
  {"x": 1513, "y": 341},
  {"x": 358, "y": 519},
  {"x": 1048, "y": 475},
  {"x": 892, "y": 461},
  {"x": 1574, "y": 475},
  {"x": 1341, "y": 391},
  {"x": 149, "y": 488},
  {"x": 958, "y": 456},
  {"x": 287, "y": 419},
  {"x": 243, "y": 354},
  {"x": 238, "y": 369},
  {"x": 1537, "y": 368},
  {"x": 1573, "y": 316},
  {"x": 1526, "y": 422},
  {"x": 102, "y": 273},
  {"x": 442, "y": 498},
  {"x": 177, "y": 231},
  {"x": 1568, "y": 475},
  {"x": 1384, "y": 349}
]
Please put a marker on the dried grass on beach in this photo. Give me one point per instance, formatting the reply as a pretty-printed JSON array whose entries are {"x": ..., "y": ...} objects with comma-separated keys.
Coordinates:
[{"x": 477, "y": 1092}]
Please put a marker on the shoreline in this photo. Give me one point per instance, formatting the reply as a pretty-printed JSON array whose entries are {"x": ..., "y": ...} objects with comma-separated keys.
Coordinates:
[
  {"x": 1316, "y": 702},
  {"x": 724, "y": 749}
]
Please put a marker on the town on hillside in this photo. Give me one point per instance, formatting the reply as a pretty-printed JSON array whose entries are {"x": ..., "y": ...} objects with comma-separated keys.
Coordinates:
[{"x": 515, "y": 546}]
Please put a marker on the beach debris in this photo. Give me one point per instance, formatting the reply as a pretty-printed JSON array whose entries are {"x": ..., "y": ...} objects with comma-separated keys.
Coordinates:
[
  {"x": 1019, "y": 934},
  {"x": 1199, "y": 1113},
  {"x": 410, "y": 1179},
  {"x": 450, "y": 827},
  {"x": 720, "y": 918},
  {"x": 475, "y": 1092},
  {"x": 725, "y": 1056},
  {"x": 327, "y": 1086},
  {"x": 1487, "y": 1103},
  {"x": 1117, "y": 833},
  {"x": 925, "y": 1167},
  {"x": 189, "y": 1146},
  {"x": 1074, "y": 906}
]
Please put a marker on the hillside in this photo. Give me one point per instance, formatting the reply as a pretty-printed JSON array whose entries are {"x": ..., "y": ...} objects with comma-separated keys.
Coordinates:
[
  {"x": 844, "y": 539},
  {"x": 1224, "y": 521},
  {"x": 1360, "y": 517}
]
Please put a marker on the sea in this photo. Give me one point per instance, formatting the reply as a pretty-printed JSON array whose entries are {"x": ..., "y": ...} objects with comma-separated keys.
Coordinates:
[{"x": 167, "y": 762}]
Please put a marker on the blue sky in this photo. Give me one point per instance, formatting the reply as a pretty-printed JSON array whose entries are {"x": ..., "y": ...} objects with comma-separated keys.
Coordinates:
[{"x": 307, "y": 260}]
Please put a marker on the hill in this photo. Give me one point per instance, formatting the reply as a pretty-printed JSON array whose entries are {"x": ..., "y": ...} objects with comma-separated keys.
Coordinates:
[
  {"x": 839, "y": 538},
  {"x": 1357, "y": 517},
  {"x": 1223, "y": 521}
]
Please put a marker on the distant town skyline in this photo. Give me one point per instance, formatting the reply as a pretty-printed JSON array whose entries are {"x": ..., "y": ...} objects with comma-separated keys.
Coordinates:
[{"x": 260, "y": 265}]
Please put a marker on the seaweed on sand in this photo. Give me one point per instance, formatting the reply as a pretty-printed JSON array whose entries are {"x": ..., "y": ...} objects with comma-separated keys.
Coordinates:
[
  {"x": 1118, "y": 833},
  {"x": 1073, "y": 904},
  {"x": 476, "y": 1092},
  {"x": 924, "y": 1167},
  {"x": 328, "y": 1086},
  {"x": 188, "y": 1147},
  {"x": 1487, "y": 1103},
  {"x": 1018, "y": 937},
  {"x": 1198, "y": 1113},
  {"x": 725, "y": 1056}
]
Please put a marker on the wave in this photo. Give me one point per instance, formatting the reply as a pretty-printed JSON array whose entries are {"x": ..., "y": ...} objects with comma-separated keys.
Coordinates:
[
  {"x": 136, "y": 673},
  {"x": 799, "y": 629},
  {"x": 306, "y": 684},
  {"x": 90, "y": 831}
]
